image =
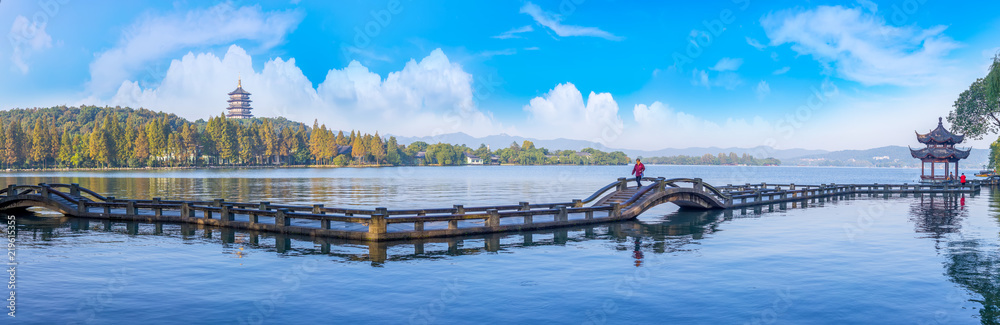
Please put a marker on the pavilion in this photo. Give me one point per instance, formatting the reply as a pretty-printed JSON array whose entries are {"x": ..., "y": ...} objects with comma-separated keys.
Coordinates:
[{"x": 940, "y": 149}]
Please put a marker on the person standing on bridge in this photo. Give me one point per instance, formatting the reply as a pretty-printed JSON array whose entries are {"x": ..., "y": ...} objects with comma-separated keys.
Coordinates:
[
  {"x": 962, "y": 179},
  {"x": 637, "y": 171}
]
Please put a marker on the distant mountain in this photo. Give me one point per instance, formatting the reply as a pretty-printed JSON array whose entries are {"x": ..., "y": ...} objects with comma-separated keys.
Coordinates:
[
  {"x": 503, "y": 140},
  {"x": 889, "y": 156}
]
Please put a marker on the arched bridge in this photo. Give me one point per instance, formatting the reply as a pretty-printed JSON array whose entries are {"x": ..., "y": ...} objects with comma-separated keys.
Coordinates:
[{"x": 616, "y": 201}]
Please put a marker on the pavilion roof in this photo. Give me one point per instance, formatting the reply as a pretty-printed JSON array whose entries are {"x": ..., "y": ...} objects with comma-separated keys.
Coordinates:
[
  {"x": 239, "y": 91},
  {"x": 940, "y": 153},
  {"x": 940, "y": 135}
]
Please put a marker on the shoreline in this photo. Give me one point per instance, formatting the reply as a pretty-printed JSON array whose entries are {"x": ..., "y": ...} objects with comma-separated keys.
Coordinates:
[{"x": 375, "y": 166}]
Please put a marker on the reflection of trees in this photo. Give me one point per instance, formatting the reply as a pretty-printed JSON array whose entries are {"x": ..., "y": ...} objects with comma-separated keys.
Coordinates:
[
  {"x": 971, "y": 263},
  {"x": 976, "y": 267}
]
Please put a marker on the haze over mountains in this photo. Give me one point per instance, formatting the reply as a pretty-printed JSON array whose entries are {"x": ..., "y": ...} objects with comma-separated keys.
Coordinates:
[{"x": 889, "y": 156}]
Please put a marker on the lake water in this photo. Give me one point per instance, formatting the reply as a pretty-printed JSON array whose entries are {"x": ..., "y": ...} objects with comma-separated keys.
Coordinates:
[{"x": 924, "y": 260}]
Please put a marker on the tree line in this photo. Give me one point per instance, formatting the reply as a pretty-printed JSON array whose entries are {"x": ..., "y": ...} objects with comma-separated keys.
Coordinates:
[
  {"x": 109, "y": 137},
  {"x": 710, "y": 159}
]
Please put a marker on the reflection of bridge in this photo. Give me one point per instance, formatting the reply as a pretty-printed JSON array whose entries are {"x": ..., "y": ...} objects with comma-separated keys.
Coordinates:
[
  {"x": 671, "y": 234},
  {"x": 616, "y": 201}
]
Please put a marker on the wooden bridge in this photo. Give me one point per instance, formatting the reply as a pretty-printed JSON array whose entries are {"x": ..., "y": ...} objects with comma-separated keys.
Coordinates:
[{"x": 616, "y": 201}]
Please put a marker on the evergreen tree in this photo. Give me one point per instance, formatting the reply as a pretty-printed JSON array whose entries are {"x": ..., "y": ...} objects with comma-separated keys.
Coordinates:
[
  {"x": 392, "y": 152},
  {"x": 377, "y": 148},
  {"x": 141, "y": 148},
  {"x": 39, "y": 145},
  {"x": 357, "y": 148},
  {"x": 66, "y": 150}
]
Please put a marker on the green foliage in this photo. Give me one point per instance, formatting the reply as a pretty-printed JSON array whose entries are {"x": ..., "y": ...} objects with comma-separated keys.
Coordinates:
[
  {"x": 977, "y": 109},
  {"x": 89, "y": 137},
  {"x": 995, "y": 154}
]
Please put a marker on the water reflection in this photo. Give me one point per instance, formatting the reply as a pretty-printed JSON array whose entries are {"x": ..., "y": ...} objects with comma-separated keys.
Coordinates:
[
  {"x": 664, "y": 235},
  {"x": 972, "y": 263}
]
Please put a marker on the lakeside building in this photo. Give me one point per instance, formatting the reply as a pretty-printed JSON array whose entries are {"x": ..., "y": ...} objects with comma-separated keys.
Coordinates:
[
  {"x": 473, "y": 159},
  {"x": 239, "y": 102},
  {"x": 940, "y": 149}
]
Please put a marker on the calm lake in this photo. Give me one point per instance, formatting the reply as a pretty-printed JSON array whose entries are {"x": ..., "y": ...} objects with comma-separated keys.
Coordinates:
[{"x": 923, "y": 260}]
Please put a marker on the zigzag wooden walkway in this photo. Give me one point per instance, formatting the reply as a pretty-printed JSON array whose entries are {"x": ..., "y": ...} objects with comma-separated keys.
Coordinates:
[{"x": 616, "y": 201}]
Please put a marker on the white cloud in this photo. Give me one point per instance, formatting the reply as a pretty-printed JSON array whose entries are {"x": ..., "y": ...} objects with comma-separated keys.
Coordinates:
[
  {"x": 27, "y": 38},
  {"x": 562, "y": 113},
  {"x": 781, "y": 71},
  {"x": 660, "y": 126},
  {"x": 152, "y": 38},
  {"x": 762, "y": 90},
  {"x": 490, "y": 54},
  {"x": 868, "y": 5},
  {"x": 727, "y": 80},
  {"x": 861, "y": 46},
  {"x": 553, "y": 22},
  {"x": 727, "y": 64},
  {"x": 756, "y": 44},
  {"x": 427, "y": 97},
  {"x": 513, "y": 32}
]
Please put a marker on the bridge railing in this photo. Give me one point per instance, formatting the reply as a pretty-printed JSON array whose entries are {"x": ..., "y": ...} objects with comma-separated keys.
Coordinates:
[{"x": 367, "y": 224}]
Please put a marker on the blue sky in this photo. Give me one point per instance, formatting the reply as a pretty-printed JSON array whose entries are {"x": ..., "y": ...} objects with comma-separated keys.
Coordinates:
[{"x": 650, "y": 75}]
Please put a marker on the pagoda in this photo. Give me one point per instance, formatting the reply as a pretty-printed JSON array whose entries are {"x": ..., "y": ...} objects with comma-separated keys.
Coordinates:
[
  {"x": 239, "y": 102},
  {"x": 940, "y": 149}
]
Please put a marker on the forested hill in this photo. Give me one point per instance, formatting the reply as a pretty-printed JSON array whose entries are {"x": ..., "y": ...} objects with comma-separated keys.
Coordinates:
[{"x": 88, "y": 136}]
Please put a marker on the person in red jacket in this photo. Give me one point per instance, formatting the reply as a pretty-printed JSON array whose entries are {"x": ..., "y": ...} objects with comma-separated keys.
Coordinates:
[
  {"x": 962, "y": 179},
  {"x": 637, "y": 171}
]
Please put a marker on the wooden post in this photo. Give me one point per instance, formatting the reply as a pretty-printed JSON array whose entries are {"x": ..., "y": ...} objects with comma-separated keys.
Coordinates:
[
  {"x": 281, "y": 218},
  {"x": 524, "y": 206},
  {"x": 130, "y": 208},
  {"x": 218, "y": 202},
  {"x": 418, "y": 226},
  {"x": 226, "y": 216},
  {"x": 318, "y": 209},
  {"x": 493, "y": 219},
  {"x": 616, "y": 210},
  {"x": 185, "y": 210},
  {"x": 11, "y": 190},
  {"x": 45, "y": 191},
  {"x": 74, "y": 190},
  {"x": 562, "y": 215},
  {"x": 377, "y": 225},
  {"x": 81, "y": 207},
  {"x": 588, "y": 215},
  {"x": 791, "y": 186},
  {"x": 158, "y": 211},
  {"x": 266, "y": 206},
  {"x": 107, "y": 208},
  {"x": 453, "y": 224},
  {"x": 698, "y": 184}
]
